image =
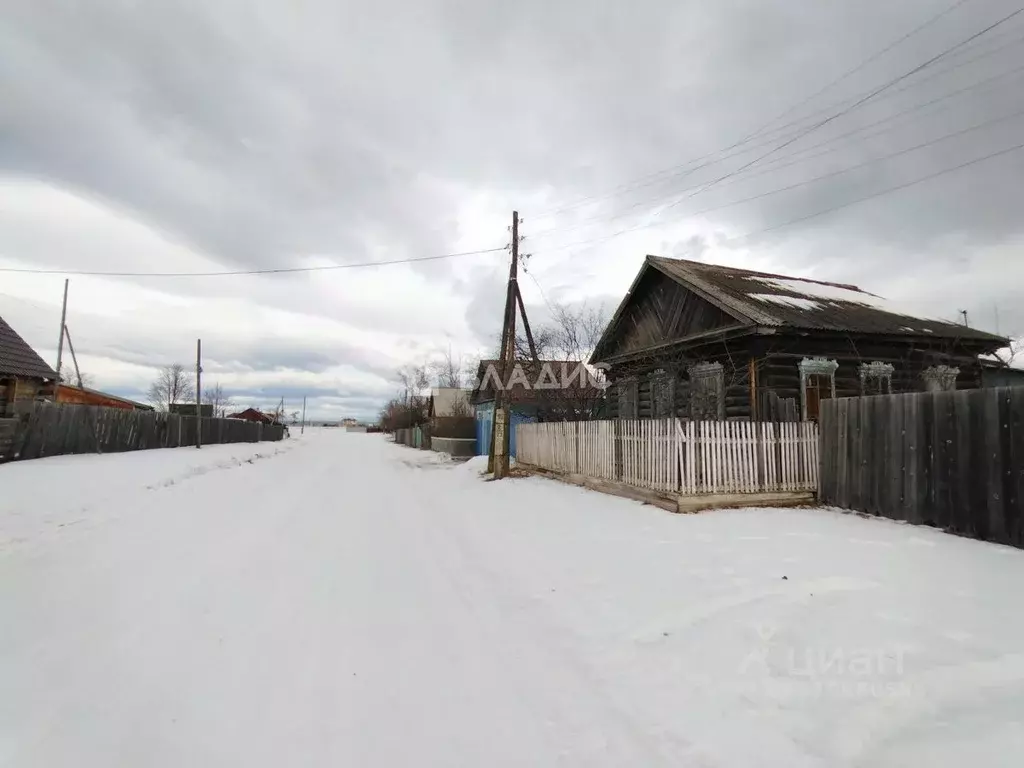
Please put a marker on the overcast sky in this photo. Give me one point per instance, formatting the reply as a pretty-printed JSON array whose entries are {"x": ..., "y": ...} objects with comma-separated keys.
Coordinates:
[{"x": 189, "y": 136}]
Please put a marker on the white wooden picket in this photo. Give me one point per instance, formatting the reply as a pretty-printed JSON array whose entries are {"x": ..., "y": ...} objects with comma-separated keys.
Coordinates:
[{"x": 673, "y": 455}]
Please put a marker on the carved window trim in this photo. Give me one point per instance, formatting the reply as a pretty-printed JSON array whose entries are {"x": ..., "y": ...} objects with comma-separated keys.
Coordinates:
[
  {"x": 627, "y": 391},
  {"x": 876, "y": 378},
  {"x": 940, "y": 378},
  {"x": 817, "y": 366},
  {"x": 663, "y": 392},
  {"x": 706, "y": 377}
]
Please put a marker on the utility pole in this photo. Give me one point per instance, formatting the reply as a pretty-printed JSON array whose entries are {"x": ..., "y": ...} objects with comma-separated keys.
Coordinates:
[
  {"x": 964, "y": 313},
  {"x": 74, "y": 357},
  {"x": 60, "y": 342},
  {"x": 498, "y": 461},
  {"x": 199, "y": 393},
  {"x": 302, "y": 430}
]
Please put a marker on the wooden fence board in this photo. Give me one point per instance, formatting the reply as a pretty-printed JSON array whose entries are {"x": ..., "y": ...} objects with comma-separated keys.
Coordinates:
[
  {"x": 672, "y": 455},
  {"x": 1015, "y": 515},
  {"x": 950, "y": 459},
  {"x": 49, "y": 429}
]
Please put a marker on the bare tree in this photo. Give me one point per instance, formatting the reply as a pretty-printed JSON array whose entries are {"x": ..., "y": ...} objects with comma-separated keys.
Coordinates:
[
  {"x": 87, "y": 380},
  {"x": 277, "y": 412},
  {"x": 215, "y": 397},
  {"x": 460, "y": 407},
  {"x": 448, "y": 370},
  {"x": 173, "y": 385},
  {"x": 398, "y": 413},
  {"x": 567, "y": 341},
  {"x": 571, "y": 334},
  {"x": 414, "y": 378},
  {"x": 575, "y": 332}
]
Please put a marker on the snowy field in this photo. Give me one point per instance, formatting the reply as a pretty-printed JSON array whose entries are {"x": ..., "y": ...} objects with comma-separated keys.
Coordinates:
[{"x": 338, "y": 600}]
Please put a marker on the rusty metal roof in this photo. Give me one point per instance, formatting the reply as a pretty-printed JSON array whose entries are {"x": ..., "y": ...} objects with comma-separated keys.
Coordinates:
[
  {"x": 765, "y": 299},
  {"x": 17, "y": 358}
]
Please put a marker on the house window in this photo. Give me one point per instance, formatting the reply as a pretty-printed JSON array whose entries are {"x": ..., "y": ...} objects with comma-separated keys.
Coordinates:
[
  {"x": 627, "y": 393},
  {"x": 817, "y": 383},
  {"x": 876, "y": 378},
  {"x": 662, "y": 394},
  {"x": 707, "y": 392},
  {"x": 940, "y": 378}
]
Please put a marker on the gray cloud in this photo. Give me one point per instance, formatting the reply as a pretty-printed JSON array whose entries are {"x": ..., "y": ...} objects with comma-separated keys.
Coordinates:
[{"x": 259, "y": 135}]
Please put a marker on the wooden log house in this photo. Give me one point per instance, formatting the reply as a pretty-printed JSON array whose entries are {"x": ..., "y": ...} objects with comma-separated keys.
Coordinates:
[
  {"x": 24, "y": 375},
  {"x": 709, "y": 342}
]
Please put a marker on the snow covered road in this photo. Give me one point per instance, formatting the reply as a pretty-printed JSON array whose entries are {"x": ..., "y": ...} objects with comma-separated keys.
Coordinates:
[{"x": 343, "y": 601}]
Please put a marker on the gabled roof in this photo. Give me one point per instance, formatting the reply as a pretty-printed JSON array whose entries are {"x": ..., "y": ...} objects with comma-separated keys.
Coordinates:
[
  {"x": 762, "y": 299},
  {"x": 17, "y": 358},
  {"x": 70, "y": 388},
  {"x": 252, "y": 414},
  {"x": 448, "y": 401}
]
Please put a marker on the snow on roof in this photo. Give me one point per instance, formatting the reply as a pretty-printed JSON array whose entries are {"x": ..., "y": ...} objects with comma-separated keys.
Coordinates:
[
  {"x": 786, "y": 301},
  {"x": 827, "y": 291},
  {"x": 761, "y": 298}
]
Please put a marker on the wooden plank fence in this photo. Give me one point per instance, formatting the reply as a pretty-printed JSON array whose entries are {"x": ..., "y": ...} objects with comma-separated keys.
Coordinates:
[
  {"x": 954, "y": 460},
  {"x": 49, "y": 429},
  {"x": 672, "y": 455}
]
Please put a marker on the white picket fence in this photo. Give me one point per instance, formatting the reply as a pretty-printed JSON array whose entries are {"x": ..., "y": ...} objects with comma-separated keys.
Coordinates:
[{"x": 671, "y": 455}]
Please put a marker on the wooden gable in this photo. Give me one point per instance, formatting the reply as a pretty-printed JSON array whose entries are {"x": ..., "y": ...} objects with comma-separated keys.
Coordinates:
[{"x": 660, "y": 310}]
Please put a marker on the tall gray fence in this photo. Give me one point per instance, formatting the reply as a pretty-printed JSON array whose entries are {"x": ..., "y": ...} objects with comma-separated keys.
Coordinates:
[
  {"x": 954, "y": 460},
  {"x": 52, "y": 430}
]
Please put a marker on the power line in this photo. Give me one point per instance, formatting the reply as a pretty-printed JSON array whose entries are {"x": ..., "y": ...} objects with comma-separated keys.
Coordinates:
[
  {"x": 775, "y": 164},
  {"x": 890, "y": 190},
  {"x": 273, "y": 271},
  {"x": 873, "y": 161},
  {"x": 863, "y": 100},
  {"x": 778, "y": 163},
  {"x": 874, "y": 57},
  {"x": 914, "y": 84},
  {"x": 880, "y": 193},
  {"x": 542, "y": 294},
  {"x": 745, "y": 145}
]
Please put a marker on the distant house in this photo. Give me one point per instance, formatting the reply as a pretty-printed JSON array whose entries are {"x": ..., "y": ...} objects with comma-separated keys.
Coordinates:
[
  {"x": 24, "y": 376},
  {"x": 996, "y": 373},
  {"x": 544, "y": 390},
  {"x": 449, "y": 401},
  {"x": 253, "y": 415},
  {"x": 85, "y": 396},
  {"x": 711, "y": 342},
  {"x": 189, "y": 409}
]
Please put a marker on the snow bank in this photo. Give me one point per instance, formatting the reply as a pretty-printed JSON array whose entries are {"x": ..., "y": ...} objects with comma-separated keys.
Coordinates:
[
  {"x": 45, "y": 495},
  {"x": 475, "y": 465},
  {"x": 339, "y": 604}
]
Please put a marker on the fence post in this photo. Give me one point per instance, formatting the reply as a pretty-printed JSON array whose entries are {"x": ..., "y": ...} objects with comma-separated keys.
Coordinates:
[
  {"x": 617, "y": 450},
  {"x": 579, "y": 466}
]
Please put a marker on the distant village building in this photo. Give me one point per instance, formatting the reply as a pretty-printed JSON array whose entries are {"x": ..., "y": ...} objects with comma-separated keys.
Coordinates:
[
  {"x": 189, "y": 409},
  {"x": 545, "y": 390},
  {"x": 71, "y": 395},
  {"x": 996, "y": 373},
  {"x": 253, "y": 415},
  {"x": 450, "y": 401},
  {"x": 24, "y": 376}
]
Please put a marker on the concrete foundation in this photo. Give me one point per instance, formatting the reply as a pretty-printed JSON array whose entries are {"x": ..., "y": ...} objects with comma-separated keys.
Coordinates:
[
  {"x": 456, "y": 447},
  {"x": 674, "y": 502}
]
